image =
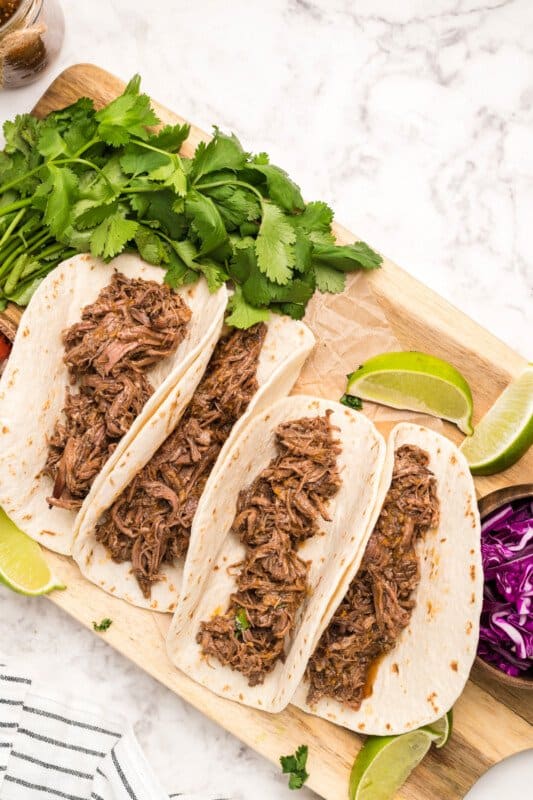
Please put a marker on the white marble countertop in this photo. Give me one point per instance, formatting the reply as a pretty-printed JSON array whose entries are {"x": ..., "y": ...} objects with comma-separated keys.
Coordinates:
[{"x": 414, "y": 120}]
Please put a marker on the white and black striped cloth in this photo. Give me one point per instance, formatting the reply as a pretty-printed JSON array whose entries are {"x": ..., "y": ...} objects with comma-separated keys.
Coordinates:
[{"x": 53, "y": 751}]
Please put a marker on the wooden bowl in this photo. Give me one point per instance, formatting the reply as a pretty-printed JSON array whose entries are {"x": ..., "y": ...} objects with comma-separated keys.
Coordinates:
[{"x": 487, "y": 505}]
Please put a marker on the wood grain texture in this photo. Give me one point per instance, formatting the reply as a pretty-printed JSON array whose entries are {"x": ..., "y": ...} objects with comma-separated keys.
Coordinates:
[{"x": 491, "y": 723}]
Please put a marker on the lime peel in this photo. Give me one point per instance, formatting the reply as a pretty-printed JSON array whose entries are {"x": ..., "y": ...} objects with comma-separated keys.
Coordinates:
[
  {"x": 385, "y": 762},
  {"x": 415, "y": 381},
  {"x": 506, "y": 431},
  {"x": 23, "y": 567}
]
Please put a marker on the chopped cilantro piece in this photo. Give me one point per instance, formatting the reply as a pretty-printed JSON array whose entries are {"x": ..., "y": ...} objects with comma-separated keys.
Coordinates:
[
  {"x": 352, "y": 401},
  {"x": 241, "y": 621},
  {"x": 103, "y": 625},
  {"x": 295, "y": 767}
]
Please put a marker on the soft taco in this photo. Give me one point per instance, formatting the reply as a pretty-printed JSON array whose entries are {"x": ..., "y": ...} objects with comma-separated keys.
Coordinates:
[
  {"x": 133, "y": 536},
  {"x": 276, "y": 528},
  {"x": 399, "y": 646},
  {"x": 98, "y": 350}
]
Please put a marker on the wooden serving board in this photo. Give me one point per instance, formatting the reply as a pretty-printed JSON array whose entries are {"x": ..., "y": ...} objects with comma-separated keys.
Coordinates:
[{"x": 491, "y": 722}]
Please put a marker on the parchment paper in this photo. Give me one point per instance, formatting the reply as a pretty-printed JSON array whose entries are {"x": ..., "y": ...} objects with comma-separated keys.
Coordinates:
[{"x": 350, "y": 328}]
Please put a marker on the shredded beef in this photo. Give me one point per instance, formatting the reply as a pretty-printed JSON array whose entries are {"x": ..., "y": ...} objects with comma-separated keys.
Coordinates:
[
  {"x": 379, "y": 601},
  {"x": 132, "y": 325},
  {"x": 281, "y": 508},
  {"x": 150, "y": 523}
]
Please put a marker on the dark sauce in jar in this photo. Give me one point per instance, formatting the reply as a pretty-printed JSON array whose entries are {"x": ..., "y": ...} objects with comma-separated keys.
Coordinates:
[
  {"x": 8, "y": 9},
  {"x": 31, "y": 34}
]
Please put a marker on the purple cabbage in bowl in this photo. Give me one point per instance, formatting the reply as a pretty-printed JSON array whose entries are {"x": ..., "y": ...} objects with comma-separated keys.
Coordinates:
[{"x": 506, "y": 635}]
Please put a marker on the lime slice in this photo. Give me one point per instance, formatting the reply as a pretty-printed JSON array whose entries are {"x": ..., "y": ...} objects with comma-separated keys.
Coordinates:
[
  {"x": 22, "y": 566},
  {"x": 506, "y": 431},
  {"x": 417, "y": 382},
  {"x": 441, "y": 730},
  {"x": 385, "y": 762}
]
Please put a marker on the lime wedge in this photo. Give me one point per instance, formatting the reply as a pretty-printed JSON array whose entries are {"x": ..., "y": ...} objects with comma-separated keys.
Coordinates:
[
  {"x": 441, "y": 730},
  {"x": 385, "y": 762},
  {"x": 416, "y": 382},
  {"x": 22, "y": 566},
  {"x": 506, "y": 431}
]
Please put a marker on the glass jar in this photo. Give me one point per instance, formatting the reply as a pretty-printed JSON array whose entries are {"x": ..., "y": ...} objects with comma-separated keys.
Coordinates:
[{"x": 30, "y": 38}]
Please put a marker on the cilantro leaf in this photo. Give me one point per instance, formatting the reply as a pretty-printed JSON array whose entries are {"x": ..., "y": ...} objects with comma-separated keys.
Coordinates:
[
  {"x": 242, "y": 262},
  {"x": 172, "y": 174},
  {"x": 275, "y": 255},
  {"x": 22, "y": 134},
  {"x": 282, "y": 190},
  {"x": 50, "y": 143},
  {"x": 243, "y": 315},
  {"x": 206, "y": 221},
  {"x": 241, "y": 622},
  {"x": 128, "y": 115},
  {"x": 329, "y": 279},
  {"x": 292, "y": 310},
  {"x": 102, "y": 626},
  {"x": 136, "y": 160},
  {"x": 258, "y": 290},
  {"x": 171, "y": 137},
  {"x": 112, "y": 235},
  {"x": 316, "y": 216},
  {"x": 88, "y": 213},
  {"x": 303, "y": 249},
  {"x": 159, "y": 207},
  {"x": 347, "y": 257},
  {"x": 214, "y": 274},
  {"x": 222, "y": 152},
  {"x": 151, "y": 247},
  {"x": 62, "y": 185},
  {"x": 295, "y": 766},
  {"x": 178, "y": 273},
  {"x": 235, "y": 204},
  {"x": 76, "y": 123}
]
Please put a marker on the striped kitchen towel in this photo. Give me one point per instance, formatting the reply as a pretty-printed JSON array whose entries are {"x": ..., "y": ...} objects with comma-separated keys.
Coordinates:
[{"x": 51, "y": 749}]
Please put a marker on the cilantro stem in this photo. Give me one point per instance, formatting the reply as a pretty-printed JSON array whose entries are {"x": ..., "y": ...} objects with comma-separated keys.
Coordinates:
[
  {"x": 16, "y": 181},
  {"x": 86, "y": 147},
  {"x": 90, "y": 164},
  {"x": 10, "y": 259},
  {"x": 54, "y": 248},
  {"x": 14, "y": 277},
  {"x": 36, "y": 241},
  {"x": 140, "y": 189},
  {"x": 147, "y": 146},
  {"x": 12, "y": 225},
  {"x": 27, "y": 201}
]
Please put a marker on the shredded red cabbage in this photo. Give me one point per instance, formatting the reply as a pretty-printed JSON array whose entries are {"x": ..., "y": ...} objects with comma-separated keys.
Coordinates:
[{"x": 506, "y": 635}]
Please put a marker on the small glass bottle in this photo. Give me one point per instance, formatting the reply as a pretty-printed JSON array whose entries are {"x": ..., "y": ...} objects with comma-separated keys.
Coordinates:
[{"x": 31, "y": 35}]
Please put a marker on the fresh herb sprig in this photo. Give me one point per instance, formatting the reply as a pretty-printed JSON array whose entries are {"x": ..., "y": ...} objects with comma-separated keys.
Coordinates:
[
  {"x": 105, "y": 181},
  {"x": 295, "y": 766}
]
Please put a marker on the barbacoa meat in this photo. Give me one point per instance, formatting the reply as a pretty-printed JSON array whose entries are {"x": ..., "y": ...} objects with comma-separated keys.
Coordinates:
[
  {"x": 150, "y": 523},
  {"x": 132, "y": 325},
  {"x": 280, "y": 509},
  {"x": 379, "y": 602}
]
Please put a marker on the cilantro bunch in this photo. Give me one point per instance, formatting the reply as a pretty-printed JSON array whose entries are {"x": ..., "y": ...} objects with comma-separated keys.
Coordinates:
[{"x": 106, "y": 181}]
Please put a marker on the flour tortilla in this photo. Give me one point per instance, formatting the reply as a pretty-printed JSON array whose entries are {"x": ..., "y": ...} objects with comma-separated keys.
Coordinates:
[
  {"x": 32, "y": 388},
  {"x": 207, "y": 584},
  {"x": 418, "y": 681},
  {"x": 286, "y": 346}
]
